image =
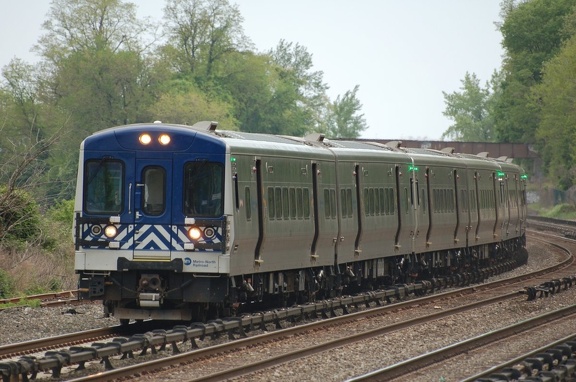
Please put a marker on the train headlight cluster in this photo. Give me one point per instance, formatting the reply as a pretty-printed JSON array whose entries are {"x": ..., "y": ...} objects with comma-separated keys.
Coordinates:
[
  {"x": 146, "y": 139},
  {"x": 110, "y": 231}
]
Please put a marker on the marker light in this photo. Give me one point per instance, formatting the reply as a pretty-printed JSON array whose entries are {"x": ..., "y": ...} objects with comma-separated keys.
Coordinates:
[
  {"x": 194, "y": 233},
  {"x": 145, "y": 139},
  {"x": 110, "y": 231},
  {"x": 164, "y": 139}
]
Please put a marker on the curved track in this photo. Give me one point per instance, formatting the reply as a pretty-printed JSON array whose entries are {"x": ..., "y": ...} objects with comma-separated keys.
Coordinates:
[
  {"x": 339, "y": 331},
  {"x": 290, "y": 342}
]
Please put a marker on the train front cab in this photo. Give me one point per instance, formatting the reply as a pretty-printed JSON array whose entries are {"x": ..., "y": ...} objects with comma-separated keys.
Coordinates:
[{"x": 150, "y": 224}]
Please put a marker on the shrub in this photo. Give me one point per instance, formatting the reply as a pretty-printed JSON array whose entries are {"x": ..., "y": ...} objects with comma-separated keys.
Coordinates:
[
  {"x": 562, "y": 211},
  {"x": 63, "y": 212},
  {"x": 19, "y": 216},
  {"x": 7, "y": 287}
]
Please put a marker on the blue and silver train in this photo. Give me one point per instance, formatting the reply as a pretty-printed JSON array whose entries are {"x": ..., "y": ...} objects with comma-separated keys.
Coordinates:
[{"x": 192, "y": 222}]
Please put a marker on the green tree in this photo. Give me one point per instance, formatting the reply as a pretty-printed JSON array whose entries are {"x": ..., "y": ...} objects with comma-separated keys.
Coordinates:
[
  {"x": 91, "y": 25},
  {"x": 191, "y": 106},
  {"x": 533, "y": 32},
  {"x": 201, "y": 33},
  {"x": 95, "y": 73},
  {"x": 98, "y": 70},
  {"x": 344, "y": 120},
  {"x": 31, "y": 129},
  {"x": 556, "y": 95},
  {"x": 297, "y": 93},
  {"x": 249, "y": 89},
  {"x": 470, "y": 111}
]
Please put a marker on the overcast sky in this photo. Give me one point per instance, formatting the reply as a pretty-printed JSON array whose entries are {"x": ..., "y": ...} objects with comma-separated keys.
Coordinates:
[{"x": 402, "y": 54}]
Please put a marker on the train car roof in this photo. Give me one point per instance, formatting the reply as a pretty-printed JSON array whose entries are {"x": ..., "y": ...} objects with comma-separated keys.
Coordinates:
[{"x": 317, "y": 144}]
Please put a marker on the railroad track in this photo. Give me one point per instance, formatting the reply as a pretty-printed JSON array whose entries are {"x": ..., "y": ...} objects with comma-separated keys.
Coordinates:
[
  {"x": 210, "y": 359},
  {"x": 550, "y": 339},
  {"x": 71, "y": 339},
  {"x": 46, "y": 299},
  {"x": 553, "y": 322},
  {"x": 291, "y": 339}
]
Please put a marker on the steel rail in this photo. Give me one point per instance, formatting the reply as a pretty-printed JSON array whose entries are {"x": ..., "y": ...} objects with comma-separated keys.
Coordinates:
[
  {"x": 195, "y": 355},
  {"x": 519, "y": 359},
  {"x": 44, "y": 296},
  {"x": 182, "y": 334},
  {"x": 405, "y": 367},
  {"x": 43, "y": 344}
]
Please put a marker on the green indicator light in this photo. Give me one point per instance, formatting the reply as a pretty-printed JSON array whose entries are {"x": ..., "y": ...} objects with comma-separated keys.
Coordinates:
[
  {"x": 412, "y": 168},
  {"x": 232, "y": 159},
  {"x": 524, "y": 176},
  {"x": 500, "y": 174}
]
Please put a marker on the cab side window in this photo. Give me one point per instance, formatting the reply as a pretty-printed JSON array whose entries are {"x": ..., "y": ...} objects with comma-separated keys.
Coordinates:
[{"x": 203, "y": 189}]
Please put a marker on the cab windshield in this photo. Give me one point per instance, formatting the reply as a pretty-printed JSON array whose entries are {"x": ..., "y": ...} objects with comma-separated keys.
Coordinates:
[{"x": 103, "y": 186}]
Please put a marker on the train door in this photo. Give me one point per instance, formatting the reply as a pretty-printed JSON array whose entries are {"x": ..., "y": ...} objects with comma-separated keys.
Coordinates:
[
  {"x": 522, "y": 199},
  {"x": 152, "y": 209},
  {"x": 459, "y": 227}
]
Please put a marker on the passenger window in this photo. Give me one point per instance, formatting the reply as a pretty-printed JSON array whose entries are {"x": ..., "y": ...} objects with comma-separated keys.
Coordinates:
[
  {"x": 278, "y": 202},
  {"x": 327, "y": 203},
  {"x": 306, "y": 205},
  {"x": 292, "y": 203},
  {"x": 154, "y": 198},
  {"x": 271, "y": 205},
  {"x": 333, "y": 203},
  {"x": 299, "y": 203},
  {"x": 285, "y": 203},
  {"x": 371, "y": 201},
  {"x": 344, "y": 203}
]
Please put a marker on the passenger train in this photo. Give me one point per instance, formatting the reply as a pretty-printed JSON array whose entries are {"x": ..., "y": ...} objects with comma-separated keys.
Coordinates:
[{"x": 192, "y": 222}]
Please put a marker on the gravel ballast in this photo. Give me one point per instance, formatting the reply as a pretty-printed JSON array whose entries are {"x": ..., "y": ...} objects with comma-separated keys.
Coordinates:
[{"x": 25, "y": 323}]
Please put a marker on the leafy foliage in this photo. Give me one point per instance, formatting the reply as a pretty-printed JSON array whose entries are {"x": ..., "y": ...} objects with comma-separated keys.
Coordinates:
[
  {"x": 470, "y": 111},
  {"x": 7, "y": 287},
  {"x": 555, "y": 96},
  {"x": 342, "y": 117},
  {"x": 19, "y": 216},
  {"x": 533, "y": 32}
]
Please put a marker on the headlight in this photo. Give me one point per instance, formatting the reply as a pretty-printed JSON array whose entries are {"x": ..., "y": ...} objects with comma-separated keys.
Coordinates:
[
  {"x": 164, "y": 139},
  {"x": 194, "y": 233},
  {"x": 110, "y": 231},
  {"x": 145, "y": 138}
]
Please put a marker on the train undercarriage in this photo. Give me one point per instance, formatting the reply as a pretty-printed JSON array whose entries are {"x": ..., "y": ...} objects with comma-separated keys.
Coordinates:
[{"x": 142, "y": 294}]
